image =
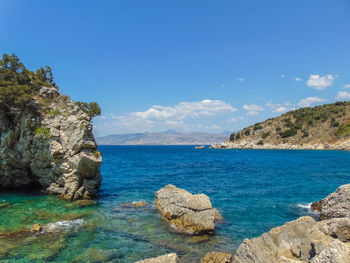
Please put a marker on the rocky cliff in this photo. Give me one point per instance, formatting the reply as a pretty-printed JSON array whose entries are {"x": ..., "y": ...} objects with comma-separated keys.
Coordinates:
[
  {"x": 320, "y": 127},
  {"x": 46, "y": 139}
]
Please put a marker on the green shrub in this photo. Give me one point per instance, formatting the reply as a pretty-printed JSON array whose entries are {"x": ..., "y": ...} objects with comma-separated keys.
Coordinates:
[
  {"x": 247, "y": 132},
  {"x": 288, "y": 133},
  {"x": 278, "y": 128},
  {"x": 82, "y": 125},
  {"x": 55, "y": 112},
  {"x": 304, "y": 134},
  {"x": 42, "y": 132},
  {"x": 238, "y": 136},
  {"x": 257, "y": 127},
  {"x": 92, "y": 108},
  {"x": 261, "y": 142},
  {"x": 18, "y": 84},
  {"x": 265, "y": 135},
  {"x": 344, "y": 130}
]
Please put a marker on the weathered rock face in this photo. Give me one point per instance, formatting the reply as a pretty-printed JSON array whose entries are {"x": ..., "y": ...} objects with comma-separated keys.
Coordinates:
[
  {"x": 51, "y": 146},
  {"x": 187, "y": 213},
  {"x": 217, "y": 257},
  {"x": 335, "y": 205},
  {"x": 168, "y": 258},
  {"x": 302, "y": 240}
]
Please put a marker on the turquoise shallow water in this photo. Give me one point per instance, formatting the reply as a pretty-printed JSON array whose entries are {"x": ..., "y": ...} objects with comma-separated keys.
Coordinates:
[{"x": 254, "y": 190}]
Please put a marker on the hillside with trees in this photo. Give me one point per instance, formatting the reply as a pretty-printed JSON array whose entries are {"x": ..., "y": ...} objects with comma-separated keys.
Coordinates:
[{"x": 320, "y": 127}]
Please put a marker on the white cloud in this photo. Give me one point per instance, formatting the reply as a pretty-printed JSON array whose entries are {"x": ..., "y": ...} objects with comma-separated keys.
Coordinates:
[
  {"x": 184, "y": 110},
  {"x": 343, "y": 95},
  {"x": 278, "y": 108},
  {"x": 253, "y": 109},
  {"x": 281, "y": 109},
  {"x": 307, "y": 102},
  {"x": 283, "y": 76},
  {"x": 298, "y": 79},
  {"x": 241, "y": 79},
  {"x": 233, "y": 120},
  {"x": 347, "y": 86},
  {"x": 182, "y": 116},
  {"x": 320, "y": 82}
]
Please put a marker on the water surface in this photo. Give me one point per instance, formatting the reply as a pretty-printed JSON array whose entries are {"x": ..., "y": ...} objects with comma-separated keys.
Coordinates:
[{"x": 254, "y": 190}]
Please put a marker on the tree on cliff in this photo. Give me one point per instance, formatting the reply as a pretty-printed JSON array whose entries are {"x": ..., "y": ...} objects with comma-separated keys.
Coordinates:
[
  {"x": 92, "y": 108},
  {"x": 18, "y": 85}
]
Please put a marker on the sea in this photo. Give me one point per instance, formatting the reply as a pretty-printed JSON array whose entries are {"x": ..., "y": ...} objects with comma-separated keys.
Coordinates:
[{"x": 253, "y": 190}]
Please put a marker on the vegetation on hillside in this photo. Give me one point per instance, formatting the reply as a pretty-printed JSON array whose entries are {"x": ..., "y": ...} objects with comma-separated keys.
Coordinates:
[
  {"x": 329, "y": 120},
  {"x": 18, "y": 85}
]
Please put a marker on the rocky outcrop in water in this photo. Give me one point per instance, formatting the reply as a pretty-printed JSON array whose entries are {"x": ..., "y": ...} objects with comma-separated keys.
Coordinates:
[
  {"x": 168, "y": 258},
  {"x": 186, "y": 213},
  {"x": 335, "y": 205},
  {"x": 48, "y": 142},
  {"x": 217, "y": 257},
  {"x": 302, "y": 240}
]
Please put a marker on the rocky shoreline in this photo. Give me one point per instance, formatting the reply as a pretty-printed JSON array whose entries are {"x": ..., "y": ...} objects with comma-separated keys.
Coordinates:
[
  {"x": 344, "y": 146},
  {"x": 302, "y": 240}
]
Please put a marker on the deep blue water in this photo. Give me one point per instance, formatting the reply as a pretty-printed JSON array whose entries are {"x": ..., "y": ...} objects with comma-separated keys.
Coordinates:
[{"x": 254, "y": 190}]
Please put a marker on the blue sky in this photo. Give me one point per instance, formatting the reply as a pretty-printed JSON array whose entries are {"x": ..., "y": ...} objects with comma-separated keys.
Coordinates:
[{"x": 186, "y": 65}]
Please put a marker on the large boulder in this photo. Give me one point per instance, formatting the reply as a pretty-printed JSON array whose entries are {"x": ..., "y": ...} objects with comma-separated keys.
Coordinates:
[
  {"x": 335, "y": 205},
  {"x": 302, "y": 240},
  {"x": 186, "y": 213},
  {"x": 168, "y": 258}
]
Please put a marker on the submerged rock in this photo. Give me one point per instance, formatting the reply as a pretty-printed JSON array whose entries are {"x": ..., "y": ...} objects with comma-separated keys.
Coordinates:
[
  {"x": 335, "y": 205},
  {"x": 168, "y": 258},
  {"x": 302, "y": 240},
  {"x": 186, "y": 213},
  {"x": 217, "y": 257},
  {"x": 140, "y": 204},
  {"x": 60, "y": 226},
  {"x": 5, "y": 204}
]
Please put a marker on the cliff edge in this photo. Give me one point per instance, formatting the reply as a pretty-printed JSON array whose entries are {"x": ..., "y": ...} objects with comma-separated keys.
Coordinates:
[{"x": 46, "y": 138}]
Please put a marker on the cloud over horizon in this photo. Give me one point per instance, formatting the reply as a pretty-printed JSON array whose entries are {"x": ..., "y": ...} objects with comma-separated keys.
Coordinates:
[
  {"x": 183, "y": 116},
  {"x": 320, "y": 82},
  {"x": 307, "y": 102},
  {"x": 253, "y": 109}
]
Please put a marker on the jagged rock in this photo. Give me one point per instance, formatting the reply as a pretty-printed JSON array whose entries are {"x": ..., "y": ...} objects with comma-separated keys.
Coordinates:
[
  {"x": 52, "y": 147},
  {"x": 302, "y": 240},
  {"x": 337, "y": 227},
  {"x": 217, "y": 257},
  {"x": 168, "y": 258},
  {"x": 48, "y": 92},
  {"x": 187, "y": 213},
  {"x": 335, "y": 205}
]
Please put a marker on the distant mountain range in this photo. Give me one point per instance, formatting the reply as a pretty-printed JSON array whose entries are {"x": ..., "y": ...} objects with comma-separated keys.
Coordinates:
[{"x": 162, "y": 138}]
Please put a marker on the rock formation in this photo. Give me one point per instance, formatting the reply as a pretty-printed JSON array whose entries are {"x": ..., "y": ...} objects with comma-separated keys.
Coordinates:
[
  {"x": 335, "y": 205},
  {"x": 302, "y": 240},
  {"x": 217, "y": 257},
  {"x": 168, "y": 258},
  {"x": 186, "y": 213},
  {"x": 306, "y": 240},
  {"x": 48, "y": 142}
]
